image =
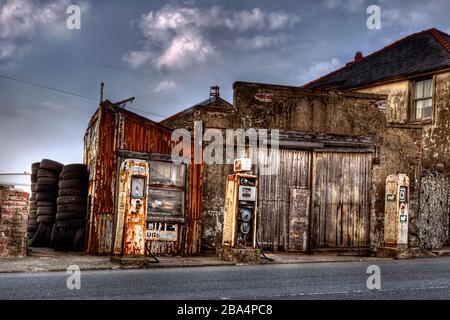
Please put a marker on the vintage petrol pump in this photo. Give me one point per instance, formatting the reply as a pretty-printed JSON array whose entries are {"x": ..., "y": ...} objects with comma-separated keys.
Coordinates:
[
  {"x": 396, "y": 212},
  {"x": 240, "y": 219},
  {"x": 132, "y": 208}
]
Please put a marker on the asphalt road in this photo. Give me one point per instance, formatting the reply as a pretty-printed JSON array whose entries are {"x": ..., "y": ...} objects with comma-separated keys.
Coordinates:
[{"x": 406, "y": 279}]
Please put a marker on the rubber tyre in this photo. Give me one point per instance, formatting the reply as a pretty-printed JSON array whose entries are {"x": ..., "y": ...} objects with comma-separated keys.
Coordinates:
[
  {"x": 73, "y": 215},
  {"x": 46, "y": 187},
  {"x": 33, "y": 187},
  {"x": 51, "y": 165},
  {"x": 48, "y": 180},
  {"x": 35, "y": 167},
  {"x": 74, "y": 167},
  {"x": 70, "y": 200},
  {"x": 45, "y": 173},
  {"x": 33, "y": 205},
  {"x": 75, "y": 176},
  {"x": 77, "y": 207},
  {"x": 71, "y": 224},
  {"x": 46, "y": 196},
  {"x": 47, "y": 219},
  {"x": 46, "y": 203},
  {"x": 33, "y": 178},
  {"x": 44, "y": 211},
  {"x": 71, "y": 192},
  {"x": 75, "y": 183}
]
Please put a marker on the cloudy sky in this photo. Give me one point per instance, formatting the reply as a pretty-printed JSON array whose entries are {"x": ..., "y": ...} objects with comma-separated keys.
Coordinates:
[{"x": 167, "y": 54}]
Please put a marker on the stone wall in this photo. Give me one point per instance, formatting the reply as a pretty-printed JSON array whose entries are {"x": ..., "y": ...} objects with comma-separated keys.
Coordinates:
[
  {"x": 434, "y": 211},
  {"x": 13, "y": 222}
]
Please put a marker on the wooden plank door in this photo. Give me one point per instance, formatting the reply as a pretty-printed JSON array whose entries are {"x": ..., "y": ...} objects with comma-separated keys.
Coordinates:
[
  {"x": 292, "y": 171},
  {"x": 340, "y": 213}
]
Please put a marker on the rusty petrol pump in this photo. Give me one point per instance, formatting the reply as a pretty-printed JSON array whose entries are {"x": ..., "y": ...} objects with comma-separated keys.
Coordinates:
[
  {"x": 240, "y": 219},
  {"x": 396, "y": 217},
  {"x": 132, "y": 208}
]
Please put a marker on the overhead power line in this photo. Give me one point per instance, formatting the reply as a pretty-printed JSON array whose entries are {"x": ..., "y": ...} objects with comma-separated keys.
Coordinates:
[{"x": 72, "y": 93}]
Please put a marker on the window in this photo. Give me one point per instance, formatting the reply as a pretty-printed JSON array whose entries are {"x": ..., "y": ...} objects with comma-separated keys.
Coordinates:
[
  {"x": 423, "y": 100},
  {"x": 166, "y": 190}
]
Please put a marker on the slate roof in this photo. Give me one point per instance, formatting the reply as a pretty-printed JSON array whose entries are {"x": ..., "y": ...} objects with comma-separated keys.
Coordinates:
[{"x": 424, "y": 51}]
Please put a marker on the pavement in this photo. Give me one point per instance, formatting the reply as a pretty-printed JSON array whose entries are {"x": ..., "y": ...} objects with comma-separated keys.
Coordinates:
[
  {"x": 47, "y": 260},
  {"x": 420, "y": 278}
]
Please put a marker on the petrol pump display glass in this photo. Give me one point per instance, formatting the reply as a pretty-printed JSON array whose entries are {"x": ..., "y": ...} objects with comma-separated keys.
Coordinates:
[{"x": 137, "y": 187}]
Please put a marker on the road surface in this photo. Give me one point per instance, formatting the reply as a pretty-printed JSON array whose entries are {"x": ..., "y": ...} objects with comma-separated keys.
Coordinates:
[{"x": 400, "y": 279}]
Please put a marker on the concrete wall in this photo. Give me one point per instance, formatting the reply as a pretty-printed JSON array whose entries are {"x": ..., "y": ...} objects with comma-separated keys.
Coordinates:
[{"x": 13, "y": 222}]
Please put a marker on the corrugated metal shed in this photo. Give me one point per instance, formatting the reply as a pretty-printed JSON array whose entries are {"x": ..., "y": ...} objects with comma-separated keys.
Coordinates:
[{"x": 111, "y": 130}]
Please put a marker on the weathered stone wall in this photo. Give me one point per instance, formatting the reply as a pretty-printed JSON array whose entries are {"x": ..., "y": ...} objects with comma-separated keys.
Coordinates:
[
  {"x": 290, "y": 108},
  {"x": 218, "y": 117},
  {"x": 293, "y": 109},
  {"x": 436, "y": 137},
  {"x": 434, "y": 210},
  {"x": 397, "y": 102},
  {"x": 435, "y": 142},
  {"x": 13, "y": 222}
]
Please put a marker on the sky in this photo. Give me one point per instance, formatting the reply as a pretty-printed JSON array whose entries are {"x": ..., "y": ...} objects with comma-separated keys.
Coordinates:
[{"x": 167, "y": 54}]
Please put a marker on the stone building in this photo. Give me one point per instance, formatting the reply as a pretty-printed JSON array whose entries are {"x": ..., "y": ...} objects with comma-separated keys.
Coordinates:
[
  {"x": 414, "y": 73},
  {"x": 340, "y": 137}
]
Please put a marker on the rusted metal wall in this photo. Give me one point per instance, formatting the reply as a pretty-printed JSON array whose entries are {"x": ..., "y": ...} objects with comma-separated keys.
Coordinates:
[{"x": 112, "y": 129}]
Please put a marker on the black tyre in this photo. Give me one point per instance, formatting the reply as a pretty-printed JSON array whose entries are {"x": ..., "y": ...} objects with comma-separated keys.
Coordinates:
[
  {"x": 77, "y": 207},
  {"x": 78, "y": 242},
  {"x": 73, "y": 215},
  {"x": 74, "y": 167},
  {"x": 33, "y": 205},
  {"x": 49, "y": 220},
  {"x": 33, "y": 178},
  {"x": 32, "y": 214},
  {"x": 45, "y": 173},
  {"x": 46, "y": 196},
  {"x": 75, "y": 176},
  {"x": 65, "y": 184},
  {"x": 71, "y": 199},
  {"x": 47, "y": 203},
  {"x": 51, "y": 165},
  {"x": 48, "y": 180},
  {"x": 46, "y": 187},
  {"x": 33, "y": 187},
  {"x": 71, "y": 224},
  {"x": 35, "y": 167},
  {"x": 71, "y": 192},
  {"x": 44, "y": 211}
]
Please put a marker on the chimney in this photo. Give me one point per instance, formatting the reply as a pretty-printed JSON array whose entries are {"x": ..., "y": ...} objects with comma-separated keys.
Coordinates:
[
  {"x": 358, "y": 56},
  {"x": 214, "y": 92}
]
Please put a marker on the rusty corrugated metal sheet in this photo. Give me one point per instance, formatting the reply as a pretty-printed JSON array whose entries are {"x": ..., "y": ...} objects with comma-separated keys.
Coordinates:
[{"x": 113, "y": 128}]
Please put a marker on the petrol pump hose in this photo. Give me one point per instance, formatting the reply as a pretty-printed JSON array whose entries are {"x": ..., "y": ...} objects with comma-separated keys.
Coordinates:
[{"x": 262, "y": 253}]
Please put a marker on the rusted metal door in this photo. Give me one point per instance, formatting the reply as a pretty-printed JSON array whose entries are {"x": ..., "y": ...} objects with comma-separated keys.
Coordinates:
[
  {"x": 292, "y": 170},
  {"x": 340, "y": 210}
]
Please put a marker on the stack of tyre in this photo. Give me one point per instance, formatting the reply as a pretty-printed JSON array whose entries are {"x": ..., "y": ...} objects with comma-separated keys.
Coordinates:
[
  {"x": 46, "y": 194},
  {"x": 70, "y": 228},
  {"x": 32, "y": 215}
]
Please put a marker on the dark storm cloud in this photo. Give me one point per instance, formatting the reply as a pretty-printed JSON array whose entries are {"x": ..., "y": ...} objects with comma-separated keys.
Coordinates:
[{"x": 167, "y": 54}]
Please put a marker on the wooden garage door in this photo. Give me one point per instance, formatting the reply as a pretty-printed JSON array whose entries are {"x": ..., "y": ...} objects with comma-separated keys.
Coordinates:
[
  {"x": 341, "y": 200},
  {"x": 292, "y": 172}
]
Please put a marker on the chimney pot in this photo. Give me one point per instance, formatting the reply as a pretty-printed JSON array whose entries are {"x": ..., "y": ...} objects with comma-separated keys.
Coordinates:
[
  {"x": 358, "y": 56},
  {"x": 214, "y": 91}
]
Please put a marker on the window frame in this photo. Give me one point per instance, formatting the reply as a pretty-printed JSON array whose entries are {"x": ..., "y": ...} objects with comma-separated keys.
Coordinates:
[
  {"x": 413, "y": 100},
  {"x": 183, "y": 189}
]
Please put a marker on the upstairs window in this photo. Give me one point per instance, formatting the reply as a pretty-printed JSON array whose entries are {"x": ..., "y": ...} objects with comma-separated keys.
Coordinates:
[{"x": 423, "y": 100}]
